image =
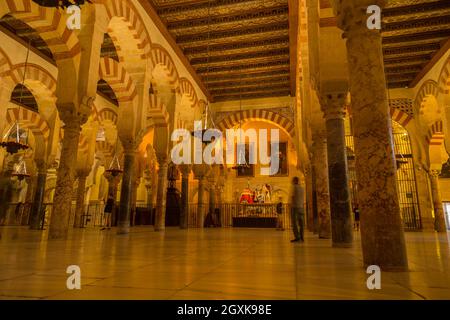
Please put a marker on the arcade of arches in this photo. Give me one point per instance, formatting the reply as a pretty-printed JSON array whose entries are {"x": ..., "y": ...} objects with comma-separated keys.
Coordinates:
[{"x": 362, "y": 117}]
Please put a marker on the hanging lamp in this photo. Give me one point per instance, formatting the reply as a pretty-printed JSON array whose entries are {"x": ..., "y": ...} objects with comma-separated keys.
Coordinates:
[
  {"x": 20, "y": 170},
  {"x": 205, "y": 112},
  {"x": 114, "y": 167},
  {"x": 16, "y": 139},
  {"x": 241, "y": 161},
  {"x": 63, "y": 4}
]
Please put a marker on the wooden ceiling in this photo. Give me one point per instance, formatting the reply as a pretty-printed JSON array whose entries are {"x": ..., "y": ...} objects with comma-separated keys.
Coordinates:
[
  {"x": 413, "y": 32},
  {"x": 239, "y": 48}
]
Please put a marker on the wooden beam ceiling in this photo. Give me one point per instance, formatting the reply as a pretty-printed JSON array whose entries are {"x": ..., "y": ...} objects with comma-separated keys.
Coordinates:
[{"x": 239, "y": 48}]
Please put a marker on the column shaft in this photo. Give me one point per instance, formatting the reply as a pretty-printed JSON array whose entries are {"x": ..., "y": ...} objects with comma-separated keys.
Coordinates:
[
  {"x": 184, "y": 201},
  {"x": 126, "y": 192},
  {"x": 382, "y": 235},
  {"x": 439, "y": 218},
  {"x": 341, "y": 218},
  {"x": 161, "y": 197},
  {"x": 81, "y": 191},
  {"x": 201, "y": 206},
  {"x": 62, "y": 200},
  {"x": 322, "y": 192},
  {"x": 37, "y": 210}
]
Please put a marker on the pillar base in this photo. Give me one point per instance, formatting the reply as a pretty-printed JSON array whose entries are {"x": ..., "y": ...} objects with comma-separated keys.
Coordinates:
[{"x": 124, "y": 229}]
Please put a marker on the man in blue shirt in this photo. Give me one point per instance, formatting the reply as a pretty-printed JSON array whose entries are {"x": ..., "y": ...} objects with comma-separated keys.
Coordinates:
[{"x": 297, "y": 211}]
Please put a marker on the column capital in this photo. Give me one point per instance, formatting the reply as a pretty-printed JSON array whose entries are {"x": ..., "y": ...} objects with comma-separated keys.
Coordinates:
[
  {"x": 41, "y": 166},
  {"x": 185, "y": 169},
  {"x": 201, "y": 171},
  {"x": 434, "y": 173},
  {"x": 352, "y": 16},
  {"x": 333, "y": 104},
  {"x": 83, "y": 173}
]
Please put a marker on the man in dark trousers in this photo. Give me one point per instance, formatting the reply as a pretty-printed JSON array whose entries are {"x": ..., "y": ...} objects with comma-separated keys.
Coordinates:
[{"x": 297, "y": 211}]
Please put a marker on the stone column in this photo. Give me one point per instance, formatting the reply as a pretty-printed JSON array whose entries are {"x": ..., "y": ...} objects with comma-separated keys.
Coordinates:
[
  {"x": 314, "y": 206},
  {"x": 321, "y": 184},
  {"x": 161, "y": 195},
  {"x": 137, "y": 182},
  {"x": 382, "y": 235},
  {"x": 81, "y": 192},
  {"x": 185, "y": 170},
  {"x": 201, "y": 206},
  {"x": 149, "y": 190},
  {"x": 309, "y": 215},
  {"x": 37, "y": 209},
  {"x": 439, "y": 218},
  {"x": 62, "y": 199},
  {"x": 126, "y": 191},
  {"x": 333, "y": 106}
]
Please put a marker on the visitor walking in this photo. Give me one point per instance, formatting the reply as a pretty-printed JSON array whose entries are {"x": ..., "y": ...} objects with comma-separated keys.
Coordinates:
[
  {"x": 108, "y": 212},
  {"x": 280, "y": 214},
  {"x": 356, "y": 215},
  {"x": 297, "y": 211}
]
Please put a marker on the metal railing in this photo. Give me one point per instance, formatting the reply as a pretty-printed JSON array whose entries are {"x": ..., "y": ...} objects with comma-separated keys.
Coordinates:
[
  {"x": 15, "y": 214},
  {"x": 243, "y": 215}
]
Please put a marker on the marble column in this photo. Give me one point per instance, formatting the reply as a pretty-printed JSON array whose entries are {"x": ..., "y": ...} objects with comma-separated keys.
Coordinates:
[
  {"x": 321, "y": 184},
  {"x": 81, "y": 192},
  {"x": 201, "y": 205},
  {"x": 439, "y": 218},
  {"x": 309, "y": 200},
  {"x": 185, "y": 170},
  {"x": 382, "y": 235},
  {"x": 137, "y": 182},
  {"x": 333, "y": 106},
  {"x": 161, "y": 194},
  {"x": 37, "y": 209},
  {"x": 126, "y": 191},
  {"x": 62, "y": 200},
  {"x": 314, "y": 206}
]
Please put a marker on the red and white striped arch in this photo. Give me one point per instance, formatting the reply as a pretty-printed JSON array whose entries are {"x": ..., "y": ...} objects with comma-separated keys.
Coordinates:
[
  {"x": 160, "y": 56},
  {"x": 435, "y": 135},
  {"x": 400, "y": 117},
  {"x": 30, "y": 120},
  {"x": 233, "y": 119},
  {"x": 157, "y": 111},
  {"x": 115, "y": 74},
  {"x": 50, "y": 23},
  {"x": 125, "y": 9},
  {"x": 186, "y": 88}
]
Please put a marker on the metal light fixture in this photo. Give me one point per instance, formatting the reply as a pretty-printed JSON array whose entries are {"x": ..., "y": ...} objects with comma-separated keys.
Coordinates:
[
  {"x": 17, "y": 139},
  {"x": 241, "y": 161},
  {"x": 61, "y": 3},
  {"x": 20, "y": 170},
  {"x": 114, "y": 167}
]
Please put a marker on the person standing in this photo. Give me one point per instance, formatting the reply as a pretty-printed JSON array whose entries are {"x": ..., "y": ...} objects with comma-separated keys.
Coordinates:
[
  {"x": 356, "y": 215},
  {"x": 109, "y": 207},
  {"x": 297, "y": 211},
  {"x": 280, "y": 214}
]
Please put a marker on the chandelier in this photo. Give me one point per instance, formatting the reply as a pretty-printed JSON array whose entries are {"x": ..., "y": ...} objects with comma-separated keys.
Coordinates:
[
  {"x": 241, "y": 160},
  {"x": 114, "y": 167},
  {"x": 61, "y": 3},
  {"x": 20, "y": 170},
  {"x": 17, "y": 139}
]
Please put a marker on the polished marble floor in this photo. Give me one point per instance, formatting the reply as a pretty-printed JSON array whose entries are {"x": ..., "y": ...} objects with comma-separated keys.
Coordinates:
[{"x": 210, "y": 264}]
